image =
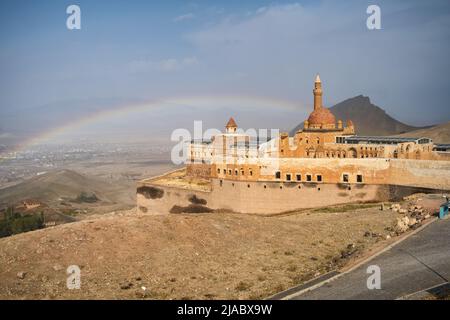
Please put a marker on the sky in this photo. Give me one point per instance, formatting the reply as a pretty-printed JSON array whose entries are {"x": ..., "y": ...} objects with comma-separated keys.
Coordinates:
[{"x": 131, "y": 52}]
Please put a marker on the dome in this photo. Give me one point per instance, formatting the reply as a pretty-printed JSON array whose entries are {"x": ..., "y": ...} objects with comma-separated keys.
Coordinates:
[{"x": 321, "y": 116}]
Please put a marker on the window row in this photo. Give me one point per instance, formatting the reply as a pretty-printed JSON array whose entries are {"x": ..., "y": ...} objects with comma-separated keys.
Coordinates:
[
  {"x": 346, "y": 178},
  {"x": 235, "y": 172},
  {"x": 298, "y": 177},
  {"x": 318, "y": 177}
]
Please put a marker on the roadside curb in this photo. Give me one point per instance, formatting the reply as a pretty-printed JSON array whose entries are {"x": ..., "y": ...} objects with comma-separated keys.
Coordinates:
[
  {"x": 390, "y": 246},
  {"x": 320, "y": 281},
  {"x": 440, "y": 291},
  {"x": 307, "y": 285}
]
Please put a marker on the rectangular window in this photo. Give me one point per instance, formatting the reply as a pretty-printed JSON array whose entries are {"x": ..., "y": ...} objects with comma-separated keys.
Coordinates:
[
  {"x": 319, "y": 178},
  {"x": 288, "y": 177},
  {"x": 298, "y": 177},
  {"x": 345, "y": 177},
  {"x": 278, "y": 175},
  {"x": 308, "y": 178},
  {"x": 359, "y": 178},
  {"x": 218, "y": 171}
]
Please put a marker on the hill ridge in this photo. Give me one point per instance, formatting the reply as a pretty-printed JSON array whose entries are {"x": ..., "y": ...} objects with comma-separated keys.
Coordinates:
[
  {"x": 57, "y": 185},
  {"x": 369, "y": 119}
]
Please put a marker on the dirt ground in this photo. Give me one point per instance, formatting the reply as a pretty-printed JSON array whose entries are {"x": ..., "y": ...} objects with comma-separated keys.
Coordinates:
[
  {"x": 179, "y": 179},
  {"x": 188, "y": 256}
]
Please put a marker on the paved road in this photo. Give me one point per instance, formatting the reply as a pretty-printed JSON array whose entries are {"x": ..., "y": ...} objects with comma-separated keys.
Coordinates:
[{"x": 420, "y": 262}]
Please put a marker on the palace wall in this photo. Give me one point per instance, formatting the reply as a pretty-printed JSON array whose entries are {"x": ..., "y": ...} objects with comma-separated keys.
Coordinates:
[
  {"x": 420, "y": 173},
  {"x": 383, "y": 180}
]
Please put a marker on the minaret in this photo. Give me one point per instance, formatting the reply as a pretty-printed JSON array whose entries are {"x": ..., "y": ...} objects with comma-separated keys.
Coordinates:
[{"x": 317, "y": 93}]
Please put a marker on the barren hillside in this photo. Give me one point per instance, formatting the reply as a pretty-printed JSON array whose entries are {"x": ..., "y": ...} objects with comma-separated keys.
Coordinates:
[
  {"x": 212, "y": 256},
  {"x": 67, "y": 185},
  {"x": 439, "y": 133}
]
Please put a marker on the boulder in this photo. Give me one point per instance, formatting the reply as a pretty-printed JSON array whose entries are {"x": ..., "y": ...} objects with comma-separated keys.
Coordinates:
[
  {"x": 126, "y": 285},
  {"x": 402, "y": 224},
  {"x": 412, "y": 221},
  {"x": 57, "y": 267}
]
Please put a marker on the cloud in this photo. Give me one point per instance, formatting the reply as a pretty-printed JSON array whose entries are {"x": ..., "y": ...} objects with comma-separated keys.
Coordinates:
[
  {"x": 183, "y": 17},
  {"x": 281, "y": 47},
  {"x": 165, "y": 65},
  {"x": 5, "y": 135}
]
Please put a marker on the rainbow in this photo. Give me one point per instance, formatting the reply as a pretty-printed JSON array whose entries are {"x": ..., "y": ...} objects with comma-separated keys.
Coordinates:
[{"x": 192, "y": 101}]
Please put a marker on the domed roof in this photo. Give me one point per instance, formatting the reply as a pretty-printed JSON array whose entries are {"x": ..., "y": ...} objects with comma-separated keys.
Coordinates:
[{"x": 321, "y": 116}]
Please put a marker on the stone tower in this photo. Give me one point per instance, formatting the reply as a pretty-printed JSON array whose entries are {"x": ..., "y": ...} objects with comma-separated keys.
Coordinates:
[
  {"x": 231, "y": 126},
  {"x": 317, "y": 93}
]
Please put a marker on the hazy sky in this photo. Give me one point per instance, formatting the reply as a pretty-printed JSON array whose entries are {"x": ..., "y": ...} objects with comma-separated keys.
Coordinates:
[{"x": 141, "y": 50}]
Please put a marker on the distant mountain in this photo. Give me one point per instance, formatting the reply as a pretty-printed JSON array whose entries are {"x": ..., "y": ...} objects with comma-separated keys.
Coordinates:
[
  {"x": 59, "y": 186},
  {"x": 439, "y": 133},
  {"x": 368, "y": 118}
]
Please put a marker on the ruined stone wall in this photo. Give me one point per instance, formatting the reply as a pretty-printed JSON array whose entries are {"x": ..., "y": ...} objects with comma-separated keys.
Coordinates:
[
  {"x": 158, "y": 199},
  {"x": 200, "y": 170}
]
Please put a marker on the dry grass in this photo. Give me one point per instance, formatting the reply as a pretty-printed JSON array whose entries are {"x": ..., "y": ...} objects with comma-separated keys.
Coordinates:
[
  {"x": 347, "y": 207},
  {"x": 181, "y": 180},
  {"x": 209, "y": 256}
]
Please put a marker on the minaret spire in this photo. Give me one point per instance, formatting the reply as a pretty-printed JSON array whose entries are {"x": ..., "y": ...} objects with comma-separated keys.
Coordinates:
[
  {"x": 317, "y": 93},
  {"x": 318, "y": 78}
]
